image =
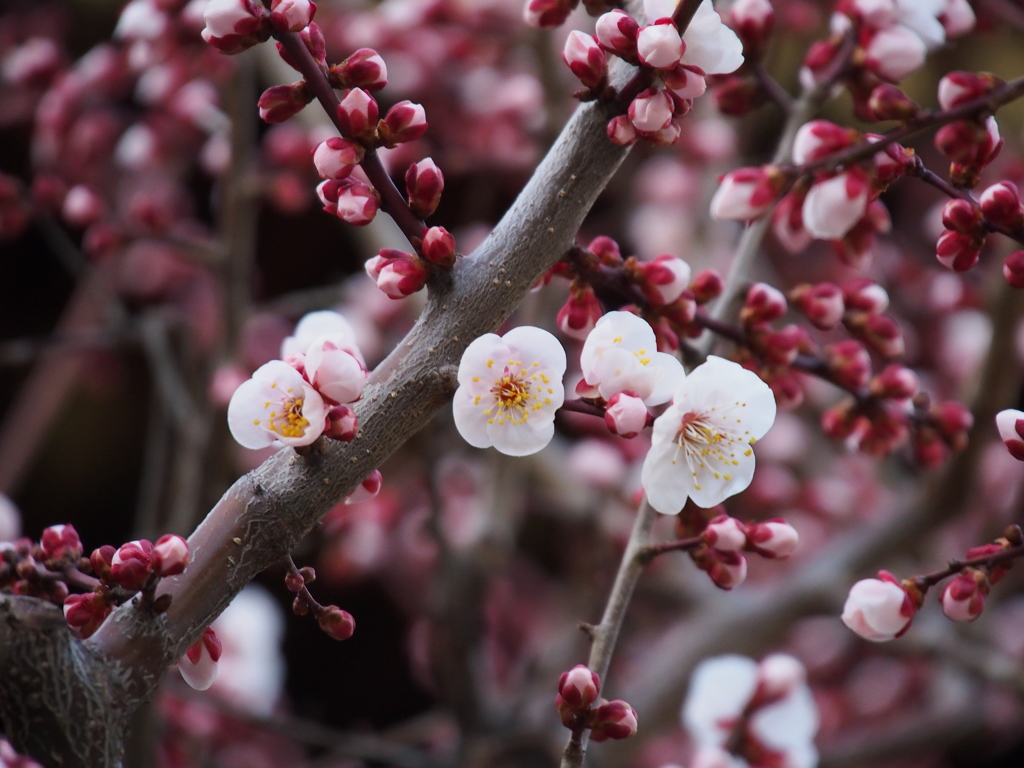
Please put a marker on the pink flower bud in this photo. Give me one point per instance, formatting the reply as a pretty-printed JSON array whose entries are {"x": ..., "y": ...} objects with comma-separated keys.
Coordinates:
[
  {"x": 820, "y": 138},
  {"x": 281, "y": 102},
  {"x": 82, "y": 206},
  {"x": 763, "y": 305},
  {"x": 849, "y": 364},
  {"x": 580, "y": 313},
  {"x": 822, "y": 304},
  {"x": 782, "y": 346},
  {"x": 626, "y": 415},
  {"x": 404, "y": 122},
  {"x": 774, "y": 538},
  {"x": 613, "y": 720},
  {"x": 752, "y": 20},
  {"x": 131, "y": 564},
  {"x": 621, "y": 131},
  {"x": 336, "y": 623},
  {"x": 957, "y": 18},
  {"x": 578, "y": 689},
  {"x": 585, "y": 58},
  {"x": 887, "y": 102},
  {"x": 85, "y": 613},
  {"x": 547, "y": 13},
  {"x": 651, "y": 111},
  {"x": 336, "y": 157},
  {"x": 100, "y": 560},
  {"x": 894, "y": 52},
  {"x": 659, "y": 45},
  {"x": 61, "y": 542},
  {"x": 1000, "y": 204},
  {"x": 291, "y": 15},
  {"x": 958, "y": 252},
  {"x": 963, "y": 217},
  {"x": 1013, "y": 269},
  {"x": 617, "y": 33},
  {"x": 895, "y": 382},
  {"x": 424, "y": 184},
  {"x": 313, "y": 38},
  {"x": 881, "y": 333},
  {"x": 953, "y": 420},
  {"x": 963, "y": 598},
  {"x": 956, "y": 88},
  {"x": 357, "y": 114},
  {"x": 1010, "y": 424},
  {"x": 396, "y": 273},
  {"x": 707, "y": 285},
  {"x": 234, "y": 25},
  {"x": 746, "y": 193},
  {"x": 726, "y": 534},
  {"x": 666, "y": 277},
  {"x": 342, "y": 423},
  {"x": 199, "y": 664},
  {"x": 865, "y": 295},
  {"x": 726, "y": 569},
  {"x": 834, "y": 205},
  {"x": 969, "y": 143},
  {"x": 878, "y": 609},
  {"x": 368, "y": 489},
  {"x": 363, "y": 69},
  {"x": 170, "y": 555},
  {"x": 438, "y": 247},
  {"x": 349, "y": 199},
  {"x": 778, "y": 675}
]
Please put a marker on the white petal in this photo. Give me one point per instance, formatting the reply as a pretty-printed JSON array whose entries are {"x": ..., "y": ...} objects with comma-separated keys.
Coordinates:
[
  {"x": 246, "y": 412},
  {"x": 710, "y": 44},
  {"x": 790, "y": 723},
  {"x": 745, "y": 403},
  {"x": 521, "y": 439},
  {"x": 659, "y": 9},
  {"x": 315, "y": 325},
  {"x": 485, "y": 359},
  {"x": 719, "y": 690},
  {"x": 667, "y": 484},
  {"x": 669, "y": 376},
  {"x": 828, "y": 211},
  {"x": 470, "y": 419},
  {"x": 537, "y": 345},
  {"x": 336, "y": 373},
  {"x": 709, "y": 490},
  {"x": 200, "y": 675}
]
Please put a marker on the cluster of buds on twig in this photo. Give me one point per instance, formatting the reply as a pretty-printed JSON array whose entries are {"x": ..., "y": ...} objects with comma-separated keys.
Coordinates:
[
  {"x": 882, "y": 609},
  {"x": 335, "y": 622},
  {"x": 50, "y": 568},
  {"x": 580, "y": 708},
  {"x": 676, "y": 73},
  {"x": 970, "y": 144},
  {"x": 717, "y": 546}
]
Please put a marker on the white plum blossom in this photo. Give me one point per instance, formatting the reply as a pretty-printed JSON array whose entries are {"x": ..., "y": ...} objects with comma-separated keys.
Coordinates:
[
  {"x": 621, "y": 355},
  {"x": 276, "y": 404},
  {"x": 509, "y": 389},
  {"x": 701, "y": 445},
  {"x": 878, "y": 609},
  {"x": 732, "y": 697}
]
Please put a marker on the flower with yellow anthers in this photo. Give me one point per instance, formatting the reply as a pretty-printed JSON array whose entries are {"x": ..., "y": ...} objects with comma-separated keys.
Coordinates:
[
  {"x": 276, "y": 404},
  {"x": 509, "y": 389},
  {"x": 621, "y": 355},
  {"x": 701, "y": 445}
]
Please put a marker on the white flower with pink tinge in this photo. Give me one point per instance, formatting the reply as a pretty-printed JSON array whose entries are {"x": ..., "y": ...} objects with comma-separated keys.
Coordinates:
[
  {"x": 737, "y": 705},
  {"x": 701, "y": 445},
  {"x": 878, "y": 609},
  {"x": 276, "y": 404},
  {"x": 710, "y": 45},
  {"x": 509, "y": 389},
  {"x": 323, "y": 324},
  {"x": 621, "y": 354}
]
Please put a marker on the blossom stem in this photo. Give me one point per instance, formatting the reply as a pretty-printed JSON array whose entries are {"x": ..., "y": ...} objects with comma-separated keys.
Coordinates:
[
  {"x": 605, "y": 634},
  {"x": 651, "y": 551},
  {"x": 918, "y": 170},
  {"x": 392, "y": 202},
  {"x": 955, "y": 566}
]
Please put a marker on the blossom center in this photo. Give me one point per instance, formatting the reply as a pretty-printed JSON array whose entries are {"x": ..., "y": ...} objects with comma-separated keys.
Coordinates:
[
  {"x": 287, "y": 419},
  {"x": 708, "y": 447}
]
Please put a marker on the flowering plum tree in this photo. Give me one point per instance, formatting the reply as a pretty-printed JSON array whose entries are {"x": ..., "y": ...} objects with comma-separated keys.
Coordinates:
[{"x": 219, "y": 271}]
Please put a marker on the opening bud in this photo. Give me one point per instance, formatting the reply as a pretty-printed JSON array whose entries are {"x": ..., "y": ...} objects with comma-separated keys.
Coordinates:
[
  {"x": 170, "y": 555},
  {"x": 336, "y": 623}
]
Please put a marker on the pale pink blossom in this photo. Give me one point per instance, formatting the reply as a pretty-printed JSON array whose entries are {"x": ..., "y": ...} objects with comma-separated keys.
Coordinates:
[
  {"x": 667, "y": 277},
  {"x": 291, "y": 15},
  {"x": 170, "y": 555},
  {"x": 818, "y": 139},
  {"x": 710, "y": 45},
  {"x": 878, "y": 609},
  {"x": 772, "y": 538},
  {"x": 744, "y": 194},
  {"x": 141, "y": 20},
  {"x": 957, "y": 18},
  {"x": 336, "y": 374},
  {"x": 621, "y": 354},
  {"x": 198, "y": 667},
  {"x": 336, "y": 157},
  {"x": 726, "y": 534},
  {"x": 276, "y": 404},
  {"x": 701, "y": 445},
  {"x": 617, "y": 32},
  {"x": 509, "y": 389},
  {"x": 834, "y": 205},
  {"x": 230, "y": 17},
  {"x": 578, "y": 688},
  {"x": 366, "y": 490},
  {"x": 322, "y": 324},
  {"x": 585, "y": 58},
  {"x": 963, "y": 598}
]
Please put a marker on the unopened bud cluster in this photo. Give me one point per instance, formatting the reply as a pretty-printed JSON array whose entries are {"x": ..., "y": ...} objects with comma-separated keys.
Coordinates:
[
  {"x": 336, "y": 623},
  {"x": 717, "y": 547},
  {"x": 580, "y": 707},
  {"x": 659, "y": 50},
  {"x": 882, "y": 609},
  {"x": 45, "y": 569}
]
